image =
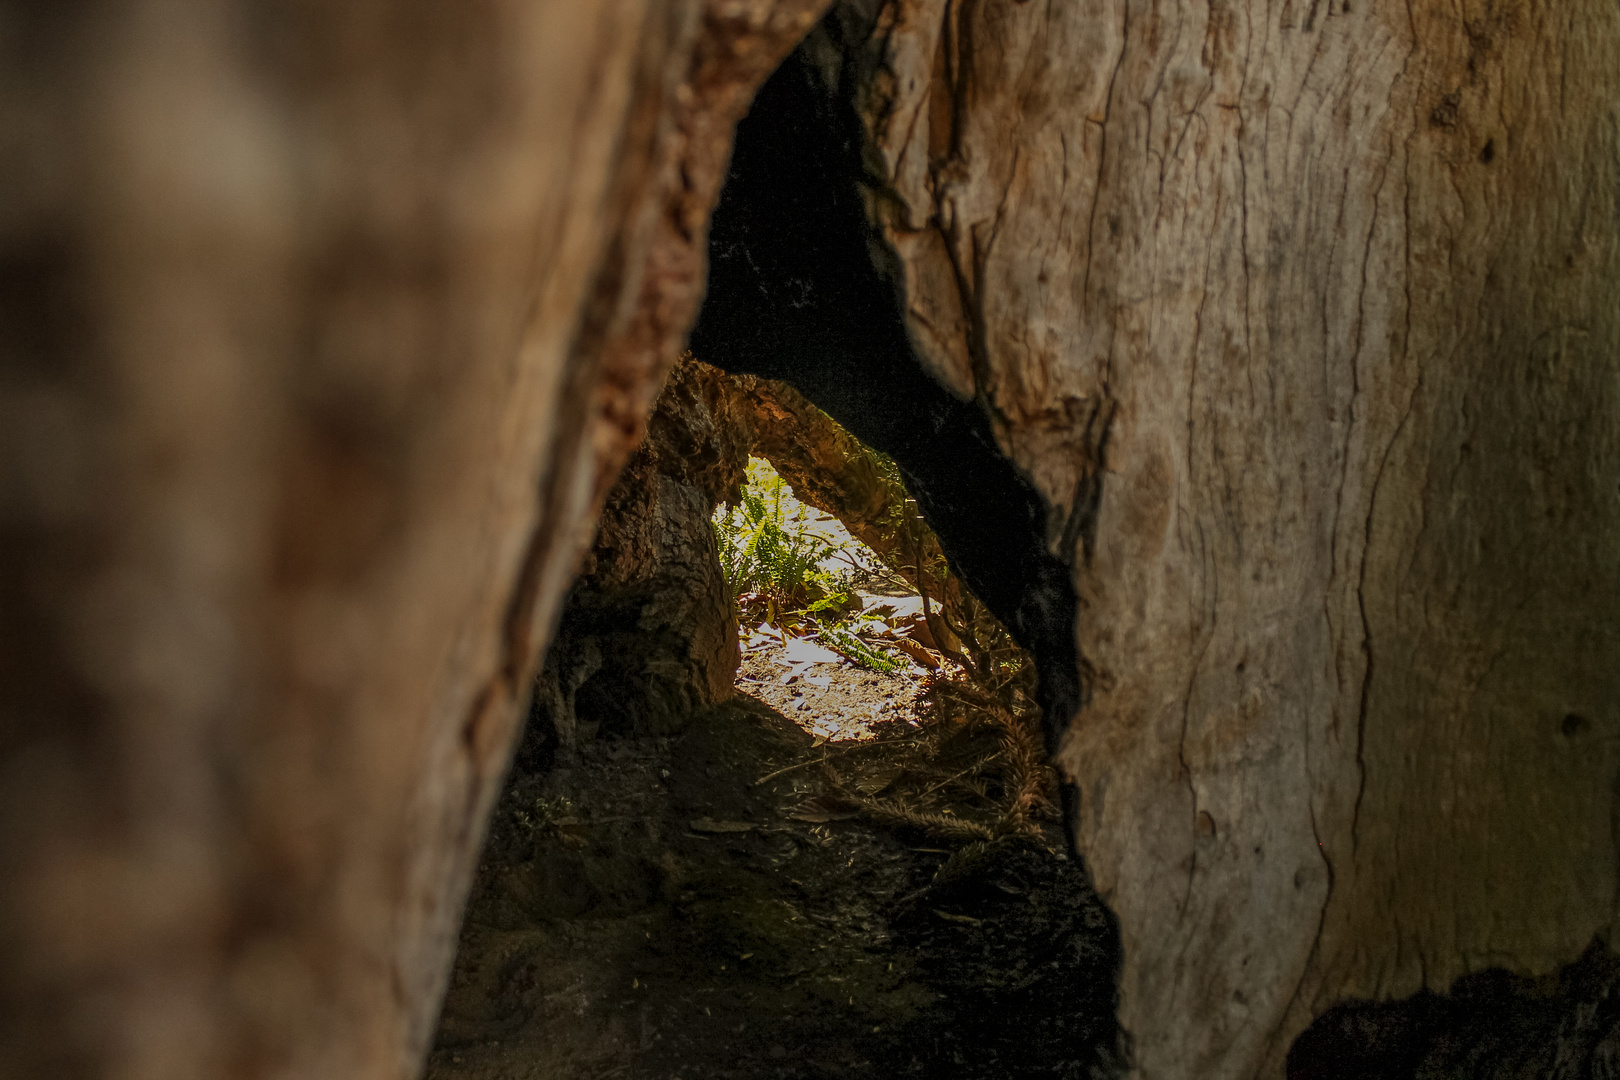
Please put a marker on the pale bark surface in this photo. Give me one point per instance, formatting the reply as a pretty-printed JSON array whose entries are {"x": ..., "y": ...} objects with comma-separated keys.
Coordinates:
[
  {"x": 1313, "y": 306},
  {"x": 326, "y": 328}
]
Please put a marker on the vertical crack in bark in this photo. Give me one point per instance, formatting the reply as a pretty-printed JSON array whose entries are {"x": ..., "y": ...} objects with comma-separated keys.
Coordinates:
[
  {"x": 1080, "y": 530},
  {"x": 1372, "y": 498},
  {"x": 1354, "y": 405},
  {"x": 1243, "y": 248},
  {"x": 1294, "y": 999},
  {"x": 1366, "y": 625},
  {"x": 973, "y": 301},
  {"x": 1102, "y": 153},
  {"x": 1186, "y": 715},
  {"x": 1192, "y": 115}
]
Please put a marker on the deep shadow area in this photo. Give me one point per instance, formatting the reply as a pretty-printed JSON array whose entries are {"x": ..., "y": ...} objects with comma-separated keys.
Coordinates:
[
  {"x": 646, "y": 909},
  {"x": 796, "y": 293},
  {"x": 1491, "y": 1026}
]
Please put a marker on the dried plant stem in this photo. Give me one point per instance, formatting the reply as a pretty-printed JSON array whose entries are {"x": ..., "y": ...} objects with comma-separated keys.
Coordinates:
[
  {"x": 874, "y": 744},
  {"x": 889, "y": 812}
]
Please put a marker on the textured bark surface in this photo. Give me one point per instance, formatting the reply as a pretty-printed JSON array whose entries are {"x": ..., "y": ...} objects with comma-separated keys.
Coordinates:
[
  {"x": 648, "y": 637},
  {"x": 327, "y": 326},
  {"x": 1305, "y": 314},
  {"x": 325, "y": 329}
]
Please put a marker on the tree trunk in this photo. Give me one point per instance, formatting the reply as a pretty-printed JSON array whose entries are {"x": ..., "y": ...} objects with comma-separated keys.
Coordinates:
[
  {"x": 1307, "y": 313},
  {"x": 648, "y": 636},
  {"x": 325, "y": 329}
]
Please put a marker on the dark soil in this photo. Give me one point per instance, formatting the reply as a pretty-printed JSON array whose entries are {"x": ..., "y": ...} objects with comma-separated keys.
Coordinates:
[{"x": 647, "y": 910}]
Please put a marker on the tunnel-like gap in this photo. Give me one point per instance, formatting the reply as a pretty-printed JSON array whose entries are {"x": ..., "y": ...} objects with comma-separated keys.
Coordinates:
[
  {"x": 801, "y": 289},
  {"x": 796, "y": 293},
  {"x": 676, "y": 884},
  {"x": 604, "y": 831}
]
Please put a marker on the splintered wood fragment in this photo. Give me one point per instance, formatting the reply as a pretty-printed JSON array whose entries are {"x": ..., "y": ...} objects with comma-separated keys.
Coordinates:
[
  {"x": 787, "y": 769},
  {"x": 820, "y": 810}
]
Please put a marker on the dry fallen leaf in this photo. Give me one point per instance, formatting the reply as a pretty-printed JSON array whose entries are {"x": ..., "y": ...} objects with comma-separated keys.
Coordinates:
[
  {"x": 709, "y": 825},
  {"x": 875, "y": 782},
  {"x": 963, "y": 920},
  {"x": 917, "y": 653},
  {"x": 817, "y": 810}
]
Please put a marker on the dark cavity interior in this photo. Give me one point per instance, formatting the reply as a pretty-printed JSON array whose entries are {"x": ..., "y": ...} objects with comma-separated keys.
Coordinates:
[
  {"x": 648, "y": 904},
  {"x": 796, "y": 293}
]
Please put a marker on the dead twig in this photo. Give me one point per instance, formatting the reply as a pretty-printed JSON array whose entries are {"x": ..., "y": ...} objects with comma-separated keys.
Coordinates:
[{"x": 871, "y": 745}]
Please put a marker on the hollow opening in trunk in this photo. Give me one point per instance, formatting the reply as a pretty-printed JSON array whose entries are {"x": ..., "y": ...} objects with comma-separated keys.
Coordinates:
[
  {"x": 686, "y": 874},
  {"x": 770, "y": 855},
  {"x": 781, "y": 807}
]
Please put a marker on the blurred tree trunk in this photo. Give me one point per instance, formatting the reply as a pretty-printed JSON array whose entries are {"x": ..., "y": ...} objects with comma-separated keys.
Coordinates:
[
  {"x": 325, "y": 328},
  {"x": 1303, "y": 317}
]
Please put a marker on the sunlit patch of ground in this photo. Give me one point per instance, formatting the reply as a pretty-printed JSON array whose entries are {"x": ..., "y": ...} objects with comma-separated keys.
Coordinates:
[
  {"x": 844, "y": 651},
  {"x": 824, "y": 693}
]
